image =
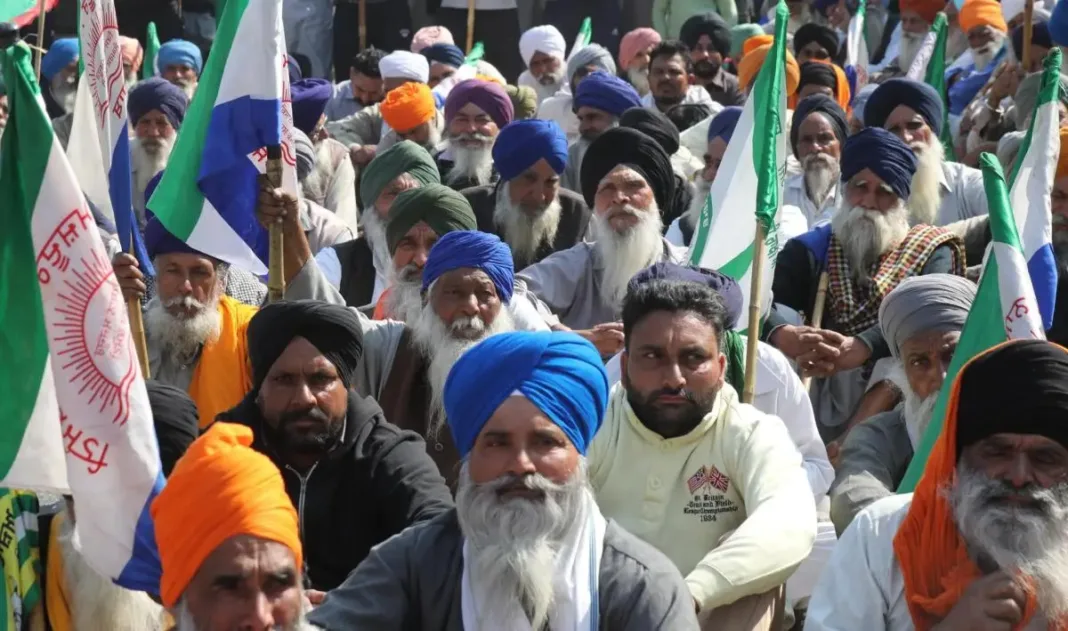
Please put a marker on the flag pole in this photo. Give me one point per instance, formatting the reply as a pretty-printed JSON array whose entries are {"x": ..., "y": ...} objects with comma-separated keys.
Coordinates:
[
  {"x": 276, "y": 280},
  {"x": 137, "y": 328},
  {"x": 1029, "y": 10},
  {"x": 40, "y": 38},
  {"x": 470, "y": 25},
  {"x": 363, "y": 24},
  {"x": 754, "y": 314},
  {"x": 817, "y": 313}
]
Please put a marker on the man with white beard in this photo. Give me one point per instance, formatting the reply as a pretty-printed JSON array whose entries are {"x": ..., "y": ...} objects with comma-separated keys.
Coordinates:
[
  {"x": 543, "y": 49},
  {"x": 59, "y": 84},
  {"x": 916, "y": 19},
  {"x": 634, "y": 49},
  {"x": 475, "y": 112},
  {"x": 132, "y": 58},
  {"x": 526, "y": 546},
  {"x": 180, "y": 62},
  {"x": 817, "y": 132},
  {"x": 988, "y": 45},
  {"x": 626, "y": 178},
  {"x": 982, "y": 542},
  {"x": 157, "y": 108},
  {"x": 942, "y": 192},
  {"x": 921, "y": 321},
  {"x": 527, "y": 208},
  {"x": 867, "y": 250}
]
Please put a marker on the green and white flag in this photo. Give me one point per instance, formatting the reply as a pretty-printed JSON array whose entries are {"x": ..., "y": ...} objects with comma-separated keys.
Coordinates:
[
  {"x": 929, "y": 66},
  {"x": 1005, "y": 307},
  {"x": 748, "y": 187},
  {"x": 583, "y": 38},
  {"x": 148, "y": 66}
]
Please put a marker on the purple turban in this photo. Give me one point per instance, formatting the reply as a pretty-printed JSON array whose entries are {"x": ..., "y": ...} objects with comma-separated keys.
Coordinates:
[
  {"x": 489, "y": 97},
  {"x": 309, "y": 100}
]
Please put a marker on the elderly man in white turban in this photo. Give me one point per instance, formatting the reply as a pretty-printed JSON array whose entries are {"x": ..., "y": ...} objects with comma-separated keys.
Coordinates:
[
  {"x": 921, "y": 321},
  {"x": 543, "y": 50},
  {"x": 560, "y": 106}
]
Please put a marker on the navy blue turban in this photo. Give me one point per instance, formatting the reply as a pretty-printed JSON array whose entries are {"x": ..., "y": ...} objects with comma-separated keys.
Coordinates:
[
  {"x": 1040, "y": 36},
  {"x": 158, "y": 240},
  {"x": 309, "y": 100},
  {"x": 475, "y": 250},
  {"x": 727, "y": 288},
  {"x": 818, "y": 104},
  {"x": 179, "y": 51},
  {"x": 722, "y": 126},
  {"x": 522, "y": 143},
  {"x": 559, "y": 372},
  {"x": 606, "y": 92},
  {"x": 915, "y": 95},
  {"x": 885, "y": 154},
  {"x": 158, "y": 94},
  {"x": 447, "y": 54}
]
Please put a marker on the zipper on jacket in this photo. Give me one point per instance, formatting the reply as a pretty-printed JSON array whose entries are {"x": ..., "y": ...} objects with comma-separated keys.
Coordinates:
[{"x": 303, "y": 491}]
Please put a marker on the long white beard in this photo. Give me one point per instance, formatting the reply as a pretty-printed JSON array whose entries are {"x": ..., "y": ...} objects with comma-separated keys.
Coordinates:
[
  {"x": 474, "y": 163},
  {"x": 925, "y": 199},
  {"x": 317, "y": 183},
  {"x": 97, "y": 604},
  {"x": 184, "y": 621},
  {"x": 639, "y": 78},
  {"x": 374, "y": 230},
  {"x": 65, "y": 91},
  {"x": 523, "y": 232},
  {"x": 443, "y": 347},
  {"x": 405, "y": 299},
  {"x": 917, "y": 411},
  {"x": 983, "y": 56},
  {"x": 627, "y": 253},
  {"x": 179, "y": 338},
  {"x": 866, "y": 235},
  {"x": 697, "y": 202},
  {"x": 147, "y": 158},
  {"x": 513, "y": 543},
  {"x": 907, "y": 49},
  {"x": 821, "y": 175},
  {"x": 1030, "y": 539}
]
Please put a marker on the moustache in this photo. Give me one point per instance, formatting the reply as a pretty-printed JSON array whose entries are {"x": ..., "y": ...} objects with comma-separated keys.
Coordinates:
[
  {"x": 311, "y": 414},
  {"x": 529, "y": 482},
  {"x": 1029, "y": 497},
  {"x": 410, "y": 273},
  {"x": 482, "y": 139},
  {"x": 682, "y": 393}
]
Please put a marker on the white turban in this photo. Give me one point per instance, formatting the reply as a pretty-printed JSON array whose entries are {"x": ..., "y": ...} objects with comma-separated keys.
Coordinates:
[
  {"x": 1012, "y": 8},
  {"x": 401, "y": 64},
  {"x": 542, "y": 39},
  {"x": 934, "y": 302}
]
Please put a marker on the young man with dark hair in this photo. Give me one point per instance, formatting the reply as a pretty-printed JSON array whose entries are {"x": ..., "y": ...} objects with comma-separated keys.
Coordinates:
[
  {"x": 363, "y": 88},
  {"x": 671, "y": 79}
]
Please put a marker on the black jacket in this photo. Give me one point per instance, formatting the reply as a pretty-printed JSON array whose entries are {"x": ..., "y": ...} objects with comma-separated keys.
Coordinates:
[{"x": 375, "y": 484}]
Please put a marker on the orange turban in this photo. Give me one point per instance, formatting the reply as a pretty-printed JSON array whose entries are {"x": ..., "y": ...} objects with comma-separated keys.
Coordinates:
[
  {"x": 1062, "y": 159},
  {"x": 926, "y": 9},
  {"x": 219, "y": 489},
  {"x": 408, "y": 106},
  {"x": 982, "y": 13},
  {"x": 753, "y": 60},
  {"x": 756, "y": 42}
]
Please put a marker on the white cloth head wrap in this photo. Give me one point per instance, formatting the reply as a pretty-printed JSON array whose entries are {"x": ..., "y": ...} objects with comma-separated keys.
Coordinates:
[
  {"x": 401, "y": 64},
  {"x": 542, "y": 39},
  {"x": 934, "y": 302}
]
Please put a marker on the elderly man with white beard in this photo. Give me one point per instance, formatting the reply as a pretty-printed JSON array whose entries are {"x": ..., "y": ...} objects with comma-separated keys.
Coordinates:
[
  {"x": 921, "y": 320},
  {"x": 866, "y": 251},
  {"x": 626, "y": 179},
  {"x": 527, "y": 208},
  {"x": 475, "y": 112},
  {"x": 543, "y": 50},
  {"x": 916, "y": 19},
  {"x": 981, "y": 543},
  {"x": 526, "y": 546},
  {"x": 817, "y": 132},
  {"x": 157, "y": 108},
  {"x": 988, "y": 45},
  {"x": 180, "y": 62}
]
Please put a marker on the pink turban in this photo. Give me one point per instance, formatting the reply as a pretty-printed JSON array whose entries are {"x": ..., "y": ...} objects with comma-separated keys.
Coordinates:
[
  {"x": 634, "y": 42},
  {"x": 431, "y": 35},
  {"x": 131, "y": 52}
]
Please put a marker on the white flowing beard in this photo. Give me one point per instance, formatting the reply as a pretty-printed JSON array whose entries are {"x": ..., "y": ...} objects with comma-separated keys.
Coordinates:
[
  {"x": 821, "y": 175},
  {"x": 184, "y": 621},
  {"x": 697, "y": 202},
  {"x": 405, "y": 299},
  {"x": 925, "y": 199},
  {"x": 866, "y": 235},
  {"x": 639, "y": 78},
  {"x": 180, "y": 338},
  {"x": 148, "y": 156},
  {"x": 443, "y": 345},
  {"x": 908, "y": 48},
  {"x": 917, "y": 411},
  {"x": 189, "y": 87},
  {"x": 513, "y": 542},
  {"x": 474, "y": 163},
  {"x": 982, "y": 57},
  {"x": 524, "y": 232},
  {"x": 374, "y": 230},
  {"x": 1027, "y": 538},
  {"x": 627, "y": 253},
  {"x": 65, "y": 91}
]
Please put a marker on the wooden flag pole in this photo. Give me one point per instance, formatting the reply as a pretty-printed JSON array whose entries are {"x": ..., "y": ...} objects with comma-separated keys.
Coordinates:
[
  {"x": 470, "y": 26},
  {"x": 1029, "y": 11},
  {"x": 363, "y": 24},
  {"x": 817, "y": 313},
  {"x": 276, "y": 280},
  {"x": 40, "y": 38},
  {"x": 137, "y": 329},
  {"x": 754, "y": 314}
]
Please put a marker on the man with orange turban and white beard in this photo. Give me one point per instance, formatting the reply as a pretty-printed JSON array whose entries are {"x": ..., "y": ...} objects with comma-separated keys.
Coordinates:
[{"x": 412, "y": 114}]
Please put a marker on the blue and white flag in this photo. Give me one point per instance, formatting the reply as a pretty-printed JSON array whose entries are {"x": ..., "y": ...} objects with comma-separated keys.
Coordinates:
[{"x": 208, "y": 193}]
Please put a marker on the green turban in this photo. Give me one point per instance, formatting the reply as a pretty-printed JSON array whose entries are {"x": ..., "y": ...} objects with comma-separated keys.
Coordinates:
[
  {"x": 739, "y": 34},
  {"x": 440, "y": 207},
  {"x": 403, "y": 157},
  {"x": 524, "y": 101}
]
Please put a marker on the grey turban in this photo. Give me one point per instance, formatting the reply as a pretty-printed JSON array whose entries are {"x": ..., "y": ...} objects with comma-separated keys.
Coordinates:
[
  {"x": 591, "y": 54},
  {"x": 1009, "y": 148},
  {"x": 305, "y": 151},
  {"x": 935, "y": 302},
  {"x": 1027, "y": 97}
]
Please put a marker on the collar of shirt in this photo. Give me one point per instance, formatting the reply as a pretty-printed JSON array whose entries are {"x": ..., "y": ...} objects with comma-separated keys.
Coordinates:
[
  {"x": 724, "y": 400},
  {"x": 668, "y": 253}
]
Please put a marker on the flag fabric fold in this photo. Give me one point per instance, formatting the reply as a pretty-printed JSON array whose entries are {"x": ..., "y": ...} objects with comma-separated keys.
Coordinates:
[
  {"x": 77, "y": 416},
  {"x": 23, "y": 12},
  {"x": 929, "y": 66},
  {"x": 1005, "y": 307},
  {"x": 150, "y": 67},
  {"x": 857, "y": 57},
  {"x": 583, "y": 37}
]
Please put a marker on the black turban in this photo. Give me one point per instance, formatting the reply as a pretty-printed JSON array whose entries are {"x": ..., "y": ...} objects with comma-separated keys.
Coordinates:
[
  {"x": 727, "y": 288},
  {"x": 631, "y": 148},
  {"x": 654, "y": 125},
  {"x": 685, "y": 115},
  {"x": 816, "y": 73},
  {"x": 822, "y": 35},
  {"x": 175, "y": 418},
  {"x": 710, "y": 24},
  {"x": 333, "y": 329},
  {"x": 1020, "y": 387},
  {"x": 916, "y": 95},
  {"x": 818, "y": 104}
]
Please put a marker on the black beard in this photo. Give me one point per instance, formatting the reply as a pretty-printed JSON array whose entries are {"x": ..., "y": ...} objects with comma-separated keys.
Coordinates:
[
  {"x": 705, "y": 69},
  {"x": 685, "y": 418},
  {"x": 288, "y": 440}
]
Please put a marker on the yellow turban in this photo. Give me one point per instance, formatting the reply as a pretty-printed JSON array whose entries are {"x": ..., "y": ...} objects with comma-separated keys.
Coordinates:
[
  {"x": 408, "y": 106},
  {"x": 1062, "y": 159},
  {"x": 219, "y": 489},
  {"x": 752, "y": 61},
  {"x": 982, "y": 13}
]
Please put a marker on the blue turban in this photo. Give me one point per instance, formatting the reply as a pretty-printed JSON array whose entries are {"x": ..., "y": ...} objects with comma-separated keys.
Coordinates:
[
  {"x": 448, "y": 54},
  {"x": 885, "y": 154},
  {"x": 727, "y": 288},
  {"x": 522, "y": 143},
  {"x": 1058, "y": 24},
  {"x": 158, "y": 240},
  {"x": 155, "y": 93},
  {"x": 912, "y": 94},
  {"x": 559, "y": 372},
  {"x": 179, "y": 51},
  {"x": 476, "y": 250},
  {"x": 722, "y": 126},
  {"x": 607, "y": 93},
  {"x": 309, "y": 100},
  {"x": 60, "y": 55}
]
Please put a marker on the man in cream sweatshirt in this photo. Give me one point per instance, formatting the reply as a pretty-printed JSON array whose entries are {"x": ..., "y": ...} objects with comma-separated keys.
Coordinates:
[{"x": 714, "y": 484}]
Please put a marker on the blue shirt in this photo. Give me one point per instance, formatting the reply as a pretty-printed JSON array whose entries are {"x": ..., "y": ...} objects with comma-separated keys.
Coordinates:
[{"x": 342, "y": 104}]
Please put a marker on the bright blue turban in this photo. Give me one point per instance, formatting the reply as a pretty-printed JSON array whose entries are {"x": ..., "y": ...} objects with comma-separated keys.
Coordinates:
[
  {"x": 309, "y": 101},
  {"x": 179, "y": 51},
  {"x": 448, "y": 54},
  {"x": 155, "y": 93},
  {"x": 559, "y": 372},
  {"x": 915, "y": 95},
  {"x": 606, "y": 92},
  {"x": 522, "y": 143},
  {"x": 885, "y": 154},
  {"x": 60, "y": 55},
  {"x": 722, "y": 126},
  {"x": 473, "y": 249}
]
